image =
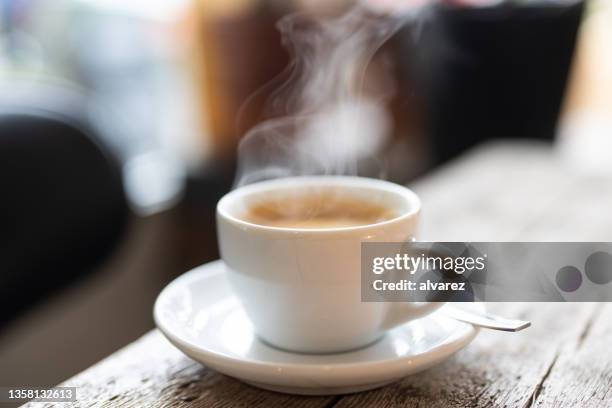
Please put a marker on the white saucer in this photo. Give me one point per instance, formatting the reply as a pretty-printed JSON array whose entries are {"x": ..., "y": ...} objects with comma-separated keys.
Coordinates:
[{"x": 199, "y": 314}]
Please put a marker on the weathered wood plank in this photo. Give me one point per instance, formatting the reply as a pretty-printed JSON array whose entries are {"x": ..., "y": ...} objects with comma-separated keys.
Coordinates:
[
  {"x": 152, "y": 373},
  {"x": 582, "y": 375},
  {"x": 497, "y": 370},
  {"x": 497, "y": 192}
]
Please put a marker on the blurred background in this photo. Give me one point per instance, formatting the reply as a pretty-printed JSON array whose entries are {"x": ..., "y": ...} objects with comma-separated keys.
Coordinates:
[{"x": 120, "y": 121}]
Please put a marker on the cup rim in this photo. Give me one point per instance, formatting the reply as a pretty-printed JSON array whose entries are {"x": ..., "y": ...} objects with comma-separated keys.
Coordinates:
[{"x": 354, "y": 181}]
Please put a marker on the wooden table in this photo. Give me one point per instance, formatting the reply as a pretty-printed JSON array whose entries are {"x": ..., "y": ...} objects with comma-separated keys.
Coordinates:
[{"x": 497, "y": 192}]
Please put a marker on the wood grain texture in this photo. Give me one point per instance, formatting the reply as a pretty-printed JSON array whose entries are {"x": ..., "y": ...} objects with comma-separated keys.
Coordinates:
[
  {"x": 582, "y": 374},
  {"x": 497, "y": 370},
  {"x": 498, "y": 192},
  {"x": 152, "y": 373}
]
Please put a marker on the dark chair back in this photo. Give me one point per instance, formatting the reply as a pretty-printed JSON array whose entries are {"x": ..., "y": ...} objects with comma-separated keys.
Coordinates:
[{"x": 62, "y": 205}]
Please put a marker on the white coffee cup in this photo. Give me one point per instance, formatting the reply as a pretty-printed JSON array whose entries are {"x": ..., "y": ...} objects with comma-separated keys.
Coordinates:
[{"x": 301, "y": 287}]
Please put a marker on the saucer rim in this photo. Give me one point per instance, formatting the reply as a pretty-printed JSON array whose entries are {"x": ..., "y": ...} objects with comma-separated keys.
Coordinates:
[{"x": 220, "y": 361}]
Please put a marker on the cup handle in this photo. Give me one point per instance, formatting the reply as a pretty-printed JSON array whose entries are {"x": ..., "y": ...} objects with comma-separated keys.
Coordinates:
[{"x": 402, "y": 312}]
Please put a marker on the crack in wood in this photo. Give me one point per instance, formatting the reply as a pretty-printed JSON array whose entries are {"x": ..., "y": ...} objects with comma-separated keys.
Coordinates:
[
  {"x": 335, "y": 399},
  {"x": 540, "y": 386},
  {"x": 588, "y": 326}
]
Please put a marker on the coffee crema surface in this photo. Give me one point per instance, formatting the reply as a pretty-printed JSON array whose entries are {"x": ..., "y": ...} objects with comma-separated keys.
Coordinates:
[{"x": 316, "y": 210}]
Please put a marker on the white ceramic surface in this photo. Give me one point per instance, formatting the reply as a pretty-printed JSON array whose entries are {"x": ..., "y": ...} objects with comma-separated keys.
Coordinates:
[
  {"x": 301, "y": 287},
  {"x": 200, "y": 315}
]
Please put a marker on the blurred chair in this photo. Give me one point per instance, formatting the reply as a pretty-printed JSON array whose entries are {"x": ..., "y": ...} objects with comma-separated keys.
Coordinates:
[
  {"x": 78, "y": 272},
  {"x": 62, "y": 209},
  {"x": 495, "y": 72}
]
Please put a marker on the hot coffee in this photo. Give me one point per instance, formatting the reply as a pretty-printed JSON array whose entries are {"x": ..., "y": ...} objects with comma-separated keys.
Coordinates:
[{"x": 316, "y": 210}]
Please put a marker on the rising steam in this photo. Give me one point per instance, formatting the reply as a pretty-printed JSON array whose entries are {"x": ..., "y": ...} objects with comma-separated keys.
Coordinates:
[{"x": 329, "y": 121}]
